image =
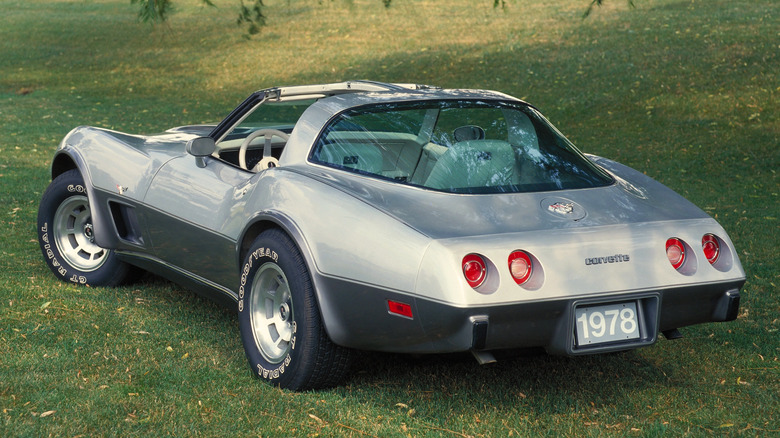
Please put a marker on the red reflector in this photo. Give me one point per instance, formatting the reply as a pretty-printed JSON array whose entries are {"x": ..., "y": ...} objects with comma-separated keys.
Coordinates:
[
  {"x": 711, "y": 248},
  {"x": 675, "y": 251},
  {"x": 474, "y": 269},
  {"x": 520, "y": 266},
  {"x": 398, "y": 308}
]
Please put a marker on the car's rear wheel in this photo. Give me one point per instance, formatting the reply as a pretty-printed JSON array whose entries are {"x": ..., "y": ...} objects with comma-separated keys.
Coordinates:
[
  {"x": 281, "y": 327},
  {"x": 67, "y": 239}
]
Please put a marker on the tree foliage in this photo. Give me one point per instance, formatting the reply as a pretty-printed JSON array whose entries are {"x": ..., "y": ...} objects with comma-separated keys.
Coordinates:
[
  {"x": 152, "y": 10},
  {"x": 251, "y": 15},
  {"x": 598, "y": 3}
]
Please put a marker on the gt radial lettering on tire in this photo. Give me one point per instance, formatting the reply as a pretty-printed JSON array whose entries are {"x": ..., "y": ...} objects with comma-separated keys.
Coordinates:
[{"x": 281, "y": 327}]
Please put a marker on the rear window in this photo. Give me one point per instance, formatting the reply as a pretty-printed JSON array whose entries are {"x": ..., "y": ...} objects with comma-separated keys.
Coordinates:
[{"x": 456, "y": 146}]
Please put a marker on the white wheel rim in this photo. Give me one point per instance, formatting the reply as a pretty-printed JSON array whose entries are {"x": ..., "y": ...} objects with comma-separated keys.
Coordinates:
[
  {"x": 74, "y": 235},
  {"x": 271, "y": 313}
]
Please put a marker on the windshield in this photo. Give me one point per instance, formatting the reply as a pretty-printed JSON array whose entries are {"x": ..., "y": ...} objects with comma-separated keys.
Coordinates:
[
  {"x": 459, "y": 146},
  {"x": 262, "y": 134},
  {"x": 270, "y": 114}
]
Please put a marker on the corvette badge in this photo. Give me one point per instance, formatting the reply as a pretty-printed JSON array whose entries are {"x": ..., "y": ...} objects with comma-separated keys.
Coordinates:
[{"x": 561, "y": 208}]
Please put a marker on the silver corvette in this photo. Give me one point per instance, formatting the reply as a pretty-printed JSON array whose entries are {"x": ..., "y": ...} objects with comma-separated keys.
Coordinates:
[{"x": 389, "y": 217}]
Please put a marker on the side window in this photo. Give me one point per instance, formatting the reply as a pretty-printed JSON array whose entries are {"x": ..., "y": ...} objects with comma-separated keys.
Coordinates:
[{"x": 379, "y": 142}]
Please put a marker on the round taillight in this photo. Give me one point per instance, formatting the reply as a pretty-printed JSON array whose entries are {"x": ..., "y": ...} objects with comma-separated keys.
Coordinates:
[
  {"x": 711, "y": 247},
  {"x": 675, "y": 251},
  {"x": 474, "y": 269},
  {"x": 520, "y": 266}
]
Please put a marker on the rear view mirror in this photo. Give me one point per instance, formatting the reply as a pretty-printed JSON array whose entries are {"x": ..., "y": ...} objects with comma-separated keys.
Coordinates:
[{"x": 201, "y": 148}]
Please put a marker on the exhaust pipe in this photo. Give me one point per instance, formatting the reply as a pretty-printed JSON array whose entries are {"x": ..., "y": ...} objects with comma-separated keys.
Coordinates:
[
  {"x": 672, "y": 334},
  {"x": 483, "y": 357}
]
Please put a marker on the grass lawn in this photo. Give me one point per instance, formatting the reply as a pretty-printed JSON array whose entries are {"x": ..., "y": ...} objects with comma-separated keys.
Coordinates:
[{"x": 686, "y": 91}]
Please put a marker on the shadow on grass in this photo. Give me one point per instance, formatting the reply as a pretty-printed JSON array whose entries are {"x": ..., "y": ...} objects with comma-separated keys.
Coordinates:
[
  {"x": 530, "y": 377},
  {"x": 525, "y": 371}
]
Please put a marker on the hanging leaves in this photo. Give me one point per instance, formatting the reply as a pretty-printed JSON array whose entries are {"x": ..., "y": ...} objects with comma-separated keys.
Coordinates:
[
  {"x": 156, "y": 11},
  {"x": 153, "y": 10},
  {"x": 598, "y": 3},
  {"x": 252, "y": 16}
]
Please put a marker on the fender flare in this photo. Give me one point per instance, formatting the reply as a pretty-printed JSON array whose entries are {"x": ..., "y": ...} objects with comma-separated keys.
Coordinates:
[
  {"x": 274, "y": 219},
  {"x": 69, "y": 158}
]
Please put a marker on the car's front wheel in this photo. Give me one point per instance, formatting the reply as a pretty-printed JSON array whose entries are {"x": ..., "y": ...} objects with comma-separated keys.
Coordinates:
[
  {"x": 281, "y": 327},
  {"x": 67, "y": 237}
]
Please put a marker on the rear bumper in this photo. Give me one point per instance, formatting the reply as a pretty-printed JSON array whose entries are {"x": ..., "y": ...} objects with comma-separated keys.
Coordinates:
[{"x": 357, "y": 316}]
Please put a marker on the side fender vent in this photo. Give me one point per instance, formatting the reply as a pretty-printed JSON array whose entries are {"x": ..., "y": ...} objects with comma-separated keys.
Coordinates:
[{"x": 126, "y": 223}]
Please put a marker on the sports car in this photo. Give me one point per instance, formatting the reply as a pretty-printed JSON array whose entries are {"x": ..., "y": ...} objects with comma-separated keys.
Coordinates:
[{"x": 389, "y": 217}]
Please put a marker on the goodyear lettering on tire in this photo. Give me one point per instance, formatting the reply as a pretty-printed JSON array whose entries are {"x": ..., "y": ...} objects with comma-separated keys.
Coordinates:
[{"x": 260, "y": 252}]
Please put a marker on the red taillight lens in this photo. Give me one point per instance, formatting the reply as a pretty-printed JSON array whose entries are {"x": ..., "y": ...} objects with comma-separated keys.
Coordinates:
[
  {"x": 399, "y": 308},
  {"x": 520, "y": 266},
  {"x": 474, "y": 269},
  {"x": 675, "y": 251},
  {"x": 711, "y": 247}
]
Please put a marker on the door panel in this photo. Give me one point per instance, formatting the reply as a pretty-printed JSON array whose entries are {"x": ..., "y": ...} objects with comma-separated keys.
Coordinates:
[{"x": 192, "y": 217}]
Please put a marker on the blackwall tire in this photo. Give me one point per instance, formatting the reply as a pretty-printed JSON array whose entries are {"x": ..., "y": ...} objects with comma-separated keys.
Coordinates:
[
  {"x": 281, "y": 328},
  {"x": 66, "y": 237}
]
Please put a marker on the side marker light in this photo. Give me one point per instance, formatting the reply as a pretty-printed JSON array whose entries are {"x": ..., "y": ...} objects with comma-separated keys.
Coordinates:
[{"x": 399, "y": 308}]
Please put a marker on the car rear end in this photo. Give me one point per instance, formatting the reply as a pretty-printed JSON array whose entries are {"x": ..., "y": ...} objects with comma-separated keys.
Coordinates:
[
  {"x": 531, "y": 243},
  {"x": 585, "y": 290}
]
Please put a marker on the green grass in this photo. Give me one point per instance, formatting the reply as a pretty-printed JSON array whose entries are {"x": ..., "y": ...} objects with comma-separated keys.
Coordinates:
[{"x": 684, "y": 90}]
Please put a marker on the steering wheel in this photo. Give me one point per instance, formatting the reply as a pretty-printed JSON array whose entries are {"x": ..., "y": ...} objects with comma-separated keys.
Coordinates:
[{"x": 268, "y": 160}]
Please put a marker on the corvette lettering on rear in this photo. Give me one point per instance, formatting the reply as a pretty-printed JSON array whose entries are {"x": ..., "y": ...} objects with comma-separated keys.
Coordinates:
[{"x": 617, "y": 258}]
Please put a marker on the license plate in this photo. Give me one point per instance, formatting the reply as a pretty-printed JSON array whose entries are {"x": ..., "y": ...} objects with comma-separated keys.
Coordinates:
[{"x": 598, "y": 324}]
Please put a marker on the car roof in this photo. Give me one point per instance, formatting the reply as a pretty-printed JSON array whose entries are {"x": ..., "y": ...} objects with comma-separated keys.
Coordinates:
[
  {"x": 324, "y": 90},
  {"x": 374, "y": 91},
  {"x": 335, "y": 97}
]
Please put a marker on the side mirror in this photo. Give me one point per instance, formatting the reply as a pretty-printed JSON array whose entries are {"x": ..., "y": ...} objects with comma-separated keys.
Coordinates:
[{"x": 201, "y": 148}]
